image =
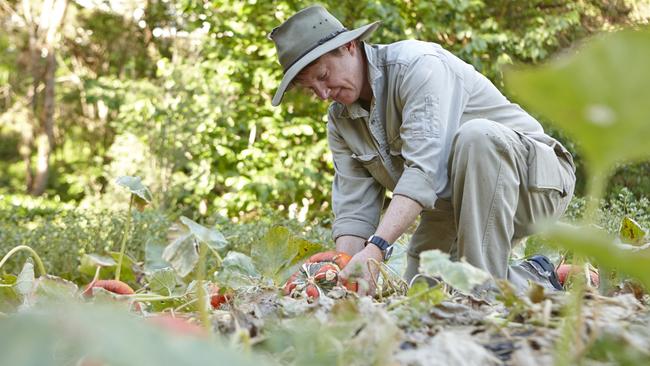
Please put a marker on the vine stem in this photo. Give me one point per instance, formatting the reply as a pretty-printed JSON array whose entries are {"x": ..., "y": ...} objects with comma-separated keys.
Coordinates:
[
  {"x": 37, "y": 258},
  {"x": 118, "y": 270}
]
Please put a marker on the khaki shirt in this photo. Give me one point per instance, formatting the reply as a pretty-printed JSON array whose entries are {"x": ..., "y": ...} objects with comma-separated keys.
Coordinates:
[{"x": 422, "y": 94}]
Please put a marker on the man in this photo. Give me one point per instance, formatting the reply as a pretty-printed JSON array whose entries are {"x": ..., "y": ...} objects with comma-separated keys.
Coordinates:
[{"x": 413, "y": 118}]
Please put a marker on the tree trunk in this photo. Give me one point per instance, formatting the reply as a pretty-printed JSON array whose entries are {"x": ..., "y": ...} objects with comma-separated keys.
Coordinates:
[{"x": 45, "y": 139}]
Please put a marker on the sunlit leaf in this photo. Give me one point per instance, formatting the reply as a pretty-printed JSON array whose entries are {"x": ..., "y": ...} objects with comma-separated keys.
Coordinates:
[
  {"x": 460, "y": 275},
  {"x": 135, "y": 186},
  {"x": 279, "y": 250},
  {"x": 423, "y": 295},
  {"x": 211, "y": 237},
  {"x": 631, "y": 232},
  {"x": 597, "y": 94}
]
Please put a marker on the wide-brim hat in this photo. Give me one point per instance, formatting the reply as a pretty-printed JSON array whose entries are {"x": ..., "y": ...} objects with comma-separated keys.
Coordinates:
[{"x": 306, "y": 36}]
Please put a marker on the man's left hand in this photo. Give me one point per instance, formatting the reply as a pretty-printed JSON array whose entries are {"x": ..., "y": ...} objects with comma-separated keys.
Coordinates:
[{"x": 359, "y": 271}]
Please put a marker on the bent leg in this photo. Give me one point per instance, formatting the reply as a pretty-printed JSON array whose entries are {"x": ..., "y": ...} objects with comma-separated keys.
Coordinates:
[{"x": 436, "y": 230}]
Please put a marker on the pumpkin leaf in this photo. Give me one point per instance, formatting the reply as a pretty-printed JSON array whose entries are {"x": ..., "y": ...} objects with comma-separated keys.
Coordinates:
[
  {"x": 135, "y": 186},
  {"x": 598, "y": 95},
  {"x": 460, "y": 275}
]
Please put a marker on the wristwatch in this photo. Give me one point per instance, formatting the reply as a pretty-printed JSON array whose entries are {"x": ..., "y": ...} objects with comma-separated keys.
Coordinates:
[{"x": 385, "y": 247}]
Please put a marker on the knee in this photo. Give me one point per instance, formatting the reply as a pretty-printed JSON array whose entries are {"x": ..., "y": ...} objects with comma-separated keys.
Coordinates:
[{"x": 478, "y": 134}]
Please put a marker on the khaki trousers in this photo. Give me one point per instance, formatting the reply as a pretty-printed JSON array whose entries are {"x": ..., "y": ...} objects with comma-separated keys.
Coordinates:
[{"x": 503, "y": 184}]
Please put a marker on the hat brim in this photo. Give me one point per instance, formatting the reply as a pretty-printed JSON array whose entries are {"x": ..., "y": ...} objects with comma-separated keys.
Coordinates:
[{"x": 338, "y": 41}]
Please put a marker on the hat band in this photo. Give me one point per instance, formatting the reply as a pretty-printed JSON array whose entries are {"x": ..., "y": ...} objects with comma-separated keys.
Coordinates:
[{"x": 320, "y": 42}]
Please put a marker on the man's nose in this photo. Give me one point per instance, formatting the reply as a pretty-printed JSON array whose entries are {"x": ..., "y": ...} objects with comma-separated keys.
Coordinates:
[{"x": 323, "y": 92}]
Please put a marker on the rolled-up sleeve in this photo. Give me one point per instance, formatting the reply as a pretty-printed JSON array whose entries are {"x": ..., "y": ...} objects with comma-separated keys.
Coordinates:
[
  {"x": 357, "y": 198},
  {"x": 432, "y": 97}
]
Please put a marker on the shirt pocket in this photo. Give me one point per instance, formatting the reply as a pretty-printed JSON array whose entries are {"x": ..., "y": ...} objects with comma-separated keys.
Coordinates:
[
  {"x": 372, "y": 163},
  {"x": 544, "y": 169}
]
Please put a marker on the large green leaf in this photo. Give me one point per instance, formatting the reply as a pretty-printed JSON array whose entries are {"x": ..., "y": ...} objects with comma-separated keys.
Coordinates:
[
  {"x": 600, "y": 246},
  {"x": 279, "y": 250},
  {"x": 135, "y": 186},
  {"x": 599, "y": 95},
  {"x": 212, "y": 237},
  {"x": 163, "y": 281},
  {"x": 237, "y": 269},
  {"x": 61, "y": 335},
  {"x": 25, "y": 282},
  {"x": 182, "y": 253},
  {"x": 460, "y": 275}
]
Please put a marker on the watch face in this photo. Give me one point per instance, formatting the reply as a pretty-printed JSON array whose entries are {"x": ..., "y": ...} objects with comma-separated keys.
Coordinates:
[{"x": 388, "y": 253}]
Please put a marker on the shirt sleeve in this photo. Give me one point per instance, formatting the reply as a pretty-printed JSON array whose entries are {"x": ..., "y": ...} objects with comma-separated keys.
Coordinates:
[
  {"x": 357, "y": 198},
  {"x": 432, "y": 95}
]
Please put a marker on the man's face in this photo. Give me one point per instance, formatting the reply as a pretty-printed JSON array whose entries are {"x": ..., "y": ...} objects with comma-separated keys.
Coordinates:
[{"x": 336, "y": 77}]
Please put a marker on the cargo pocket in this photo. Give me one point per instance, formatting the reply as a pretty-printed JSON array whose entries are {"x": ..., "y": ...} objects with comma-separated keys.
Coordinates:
[
  {"x": 544, "y": 168},
  {"x": 373, "y": 164}
]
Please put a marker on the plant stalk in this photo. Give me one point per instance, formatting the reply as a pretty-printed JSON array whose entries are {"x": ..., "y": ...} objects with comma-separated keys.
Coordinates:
[
  {"x": 200, "y": 290},
  {"x": 37, "y": 258},
  {"x": 118, "y": 270}
]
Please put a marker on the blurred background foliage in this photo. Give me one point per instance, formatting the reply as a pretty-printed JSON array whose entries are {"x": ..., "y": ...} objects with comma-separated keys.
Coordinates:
[{"x": 178, "y": 92}]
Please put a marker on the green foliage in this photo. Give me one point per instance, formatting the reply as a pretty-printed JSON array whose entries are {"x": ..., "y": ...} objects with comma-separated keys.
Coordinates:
[
  {"x": 279, "y": 251},
  {"x": 460, "y": 275},
  {"x": 61, "y": 236},
  {"x": 179, "y": 93}
]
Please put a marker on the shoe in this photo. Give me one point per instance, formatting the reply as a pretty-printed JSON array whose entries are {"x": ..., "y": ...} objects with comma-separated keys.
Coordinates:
[{"x": 546, "y": 269}]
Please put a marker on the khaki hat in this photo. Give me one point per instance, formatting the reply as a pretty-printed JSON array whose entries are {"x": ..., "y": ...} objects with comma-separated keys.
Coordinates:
[{"x": 306, "y": 36}]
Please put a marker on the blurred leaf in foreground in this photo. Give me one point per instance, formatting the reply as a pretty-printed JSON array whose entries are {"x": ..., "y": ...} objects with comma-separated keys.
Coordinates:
[
  {"x": 460, "y": 275},
  {"x": 61, "y": 335},
  {"x": 599, "y": 95},
  {"x": 599, "y": 245}
]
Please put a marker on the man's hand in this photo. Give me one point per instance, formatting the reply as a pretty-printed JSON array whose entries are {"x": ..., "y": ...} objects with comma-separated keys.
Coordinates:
[{"x": 357, "y": 270}]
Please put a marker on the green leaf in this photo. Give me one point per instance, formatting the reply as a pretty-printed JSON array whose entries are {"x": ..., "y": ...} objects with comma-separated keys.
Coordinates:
[
  {"x": 425, "y": 296},
  {"x": 212, "y": 237},
  {"x": 236, "y": 270},
  {"x": 25, "y": 281},
  {"x": 89, "y": 263},
  {"x": 460, "y": 275},
  {"x": 153, "y": 251},
  {"x": 598, "y": 95},
  {"x": 50, "y": 287},
  {"x": 279, "y": 250},
  {"x": 182, "y": 253},
  {"x": 163, "y": 281},
  {"x": 9, "y": 298},
  {"x": 600, "y": 246},
  {"x": 135, "y": 186},
  {"x": 631, "y": 232},
  {"x": 108, "y": 334}
]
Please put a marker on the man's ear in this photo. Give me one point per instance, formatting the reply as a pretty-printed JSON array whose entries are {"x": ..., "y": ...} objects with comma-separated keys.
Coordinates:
[{"x": 351, "y": 46}]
